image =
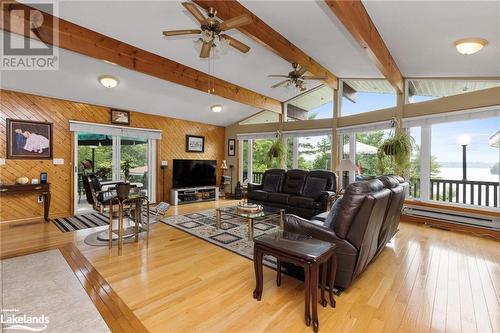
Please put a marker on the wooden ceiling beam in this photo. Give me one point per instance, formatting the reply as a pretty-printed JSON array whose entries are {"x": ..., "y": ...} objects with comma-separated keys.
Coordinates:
[
  {"x": 87, "y": 42},
  {"x": 355, "y": 18},
  {"x": 268, "y": 37}
]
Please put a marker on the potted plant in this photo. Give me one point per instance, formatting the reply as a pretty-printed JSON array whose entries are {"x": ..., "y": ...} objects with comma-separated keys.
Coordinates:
[
  {"x": 395, "y": 153},
  {"x": 276, "y": 152}
]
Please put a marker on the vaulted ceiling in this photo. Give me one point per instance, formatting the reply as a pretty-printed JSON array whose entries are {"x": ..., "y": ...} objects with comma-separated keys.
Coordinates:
[{"x": 419, "y": 37}]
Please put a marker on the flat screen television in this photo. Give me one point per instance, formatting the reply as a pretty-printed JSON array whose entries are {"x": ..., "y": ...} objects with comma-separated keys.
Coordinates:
[{"x": 194, "y": 173}]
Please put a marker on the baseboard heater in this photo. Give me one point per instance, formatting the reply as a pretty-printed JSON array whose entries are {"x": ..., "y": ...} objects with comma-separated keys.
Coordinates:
[{"x": 450, "y": 216}]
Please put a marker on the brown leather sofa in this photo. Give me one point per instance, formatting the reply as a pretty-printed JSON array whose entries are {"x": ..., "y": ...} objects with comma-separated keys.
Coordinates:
[
  {"x": 356, "y": 230},
  {"x": 299, "y": 192},
  {"x": 398, "y": 188}
]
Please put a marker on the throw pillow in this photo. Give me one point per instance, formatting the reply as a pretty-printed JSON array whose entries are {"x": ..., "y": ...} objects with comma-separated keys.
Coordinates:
[{"x": 332, "y": 215}]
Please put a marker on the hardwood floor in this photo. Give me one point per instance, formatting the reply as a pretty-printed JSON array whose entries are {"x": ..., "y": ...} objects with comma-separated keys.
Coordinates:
[{"x": 425, "y": 280}]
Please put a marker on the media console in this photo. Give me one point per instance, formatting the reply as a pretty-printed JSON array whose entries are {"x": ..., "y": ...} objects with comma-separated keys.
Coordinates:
[{"x": 181, "y": 196}]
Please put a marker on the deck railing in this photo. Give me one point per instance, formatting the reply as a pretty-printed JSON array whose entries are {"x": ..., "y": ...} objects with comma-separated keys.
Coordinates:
[{"x": 470, "y": 192}]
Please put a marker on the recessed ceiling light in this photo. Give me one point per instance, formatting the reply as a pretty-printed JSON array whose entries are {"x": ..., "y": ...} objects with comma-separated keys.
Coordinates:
[
  {"x": 216, "y": 108},
  {"x": 108, "y": 81},
  {"x": 470, "y": 46}
]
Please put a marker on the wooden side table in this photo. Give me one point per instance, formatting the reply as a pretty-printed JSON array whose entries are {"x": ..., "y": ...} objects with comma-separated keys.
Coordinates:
[
  {"x": 27, "y": 189},
  {"x": 309, "y": 253}
]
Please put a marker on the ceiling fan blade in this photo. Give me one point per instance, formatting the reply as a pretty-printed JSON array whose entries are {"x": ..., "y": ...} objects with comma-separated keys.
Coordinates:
[
  {"x": 181, "y": 32},
  {"x": 205, "y": 49},
  {"x": 235, "y": 22},
  {"x": 286, "y": 76},
  {"x": 302, "y": 70},
  {"x": 311, "y": 77},
  {"x": 191, "y": 7},
  {"x": 279, "y": 84},
  {"x": 236, "y": 43}
]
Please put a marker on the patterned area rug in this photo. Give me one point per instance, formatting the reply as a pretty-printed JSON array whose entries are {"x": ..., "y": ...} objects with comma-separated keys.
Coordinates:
[
  {"x": 233, "y": 234},
  {"x": 91, "y": 220}
]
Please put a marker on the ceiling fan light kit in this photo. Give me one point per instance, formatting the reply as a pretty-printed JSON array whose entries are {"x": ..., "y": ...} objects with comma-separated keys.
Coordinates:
[
  {"x": 296, "y": 78},
  {"x": 211, "y": 30}
]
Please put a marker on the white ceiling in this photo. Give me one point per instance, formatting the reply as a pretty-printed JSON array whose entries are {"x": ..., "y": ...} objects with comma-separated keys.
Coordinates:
[
  {"x": 313, "y": 28},
  {"x": 420, "y": 35},
  {"x": 76, "y": 80},
  {"x": 140, "y": 23}
]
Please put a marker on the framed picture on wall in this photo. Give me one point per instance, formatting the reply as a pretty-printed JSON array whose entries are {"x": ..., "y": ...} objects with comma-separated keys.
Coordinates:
[
  {"x": 231, "y": 147},
  {"x": 120, "y": 117},
  {"x": 195, "y": 144},
  {"x": 29, "y": 140}
]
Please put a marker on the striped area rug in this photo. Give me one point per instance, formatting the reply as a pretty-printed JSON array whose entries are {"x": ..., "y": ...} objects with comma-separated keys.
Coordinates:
[{"x": 82, "y": 221}]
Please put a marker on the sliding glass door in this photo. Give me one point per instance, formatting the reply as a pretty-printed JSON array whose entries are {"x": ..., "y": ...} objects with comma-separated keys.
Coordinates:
[{"x": 113, "y": 158}]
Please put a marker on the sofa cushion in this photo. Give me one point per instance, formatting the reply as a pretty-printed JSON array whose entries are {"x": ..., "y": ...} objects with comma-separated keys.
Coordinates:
[
  {"x": 278, "y": 197},
  {"x": 258, "y": 195},
  {"x": 303, "y": 202},
  {"x": 314, "y": 186},
  {"x": 294, "y": 181},
  {"x": 331, "y": 178},
  {"x": 271, "y": 182},
  {"x": 332, "y": 215}
]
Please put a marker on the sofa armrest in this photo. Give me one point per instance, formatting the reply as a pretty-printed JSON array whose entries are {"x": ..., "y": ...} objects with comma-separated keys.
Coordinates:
[
  {"x": 327, "y": 199},
  {"x": 298, "y": 225},
  {"x": 254, "y": 187}
]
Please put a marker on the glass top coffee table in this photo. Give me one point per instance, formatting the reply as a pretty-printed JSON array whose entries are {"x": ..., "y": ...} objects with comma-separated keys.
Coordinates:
[{"x": 250, "y": 216}]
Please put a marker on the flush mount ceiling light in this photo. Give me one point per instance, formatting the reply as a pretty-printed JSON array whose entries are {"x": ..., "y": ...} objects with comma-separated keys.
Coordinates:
[
  {"x": 108, "y": 81},
  {"x": 468, "y": 46},
  {"x": 216, "y": 108}
]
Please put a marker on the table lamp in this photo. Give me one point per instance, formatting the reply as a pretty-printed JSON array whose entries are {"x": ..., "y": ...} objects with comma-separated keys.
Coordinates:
[{"x": 345, "y": 166}]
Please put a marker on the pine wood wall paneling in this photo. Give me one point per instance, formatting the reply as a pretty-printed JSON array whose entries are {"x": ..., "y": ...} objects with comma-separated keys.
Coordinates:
[{"x": 59, "y": 112}]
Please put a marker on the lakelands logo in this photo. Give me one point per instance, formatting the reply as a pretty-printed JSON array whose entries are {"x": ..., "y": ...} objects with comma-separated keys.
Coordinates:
[
  {"x": 11, "y": 319},
  {"x": 28, "y": 37}
]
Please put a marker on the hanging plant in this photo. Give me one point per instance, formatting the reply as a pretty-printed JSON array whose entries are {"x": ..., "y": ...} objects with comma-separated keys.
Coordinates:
[
  {"x": 395, "y": 153},
  {"x": 276, "y": 152}
]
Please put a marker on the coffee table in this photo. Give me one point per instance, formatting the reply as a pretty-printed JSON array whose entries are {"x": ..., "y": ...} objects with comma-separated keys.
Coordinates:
[{"x": 266, "y": 211}]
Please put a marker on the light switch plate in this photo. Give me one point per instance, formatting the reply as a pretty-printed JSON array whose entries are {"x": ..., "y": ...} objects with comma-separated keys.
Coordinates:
[
  {"x": 2, "y": 161},
  {"x": 58, "y": 161},
  {"x": 164, "y": 163}
]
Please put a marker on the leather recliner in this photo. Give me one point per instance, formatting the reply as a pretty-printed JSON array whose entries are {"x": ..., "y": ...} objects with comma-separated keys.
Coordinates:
[
  {"x": 398, "y": 188},
  {"x": 300, "y": 192},
  {"x": 356, "y": 230}
]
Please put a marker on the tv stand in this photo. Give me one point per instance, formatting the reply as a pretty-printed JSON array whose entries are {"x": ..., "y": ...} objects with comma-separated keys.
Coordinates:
[{"x": 181, "y": 196}]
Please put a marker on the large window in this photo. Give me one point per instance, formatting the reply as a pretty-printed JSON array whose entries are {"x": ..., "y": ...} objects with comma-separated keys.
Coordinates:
[
  {"x": 314, "y": 104},
  {"x": 314, "y": 152},
  {"x": 421, "y": 90},
  {"x": 361, "y": 96},
  {"x": 367, "y": 144},
  {"x": 465, "y": 162}
]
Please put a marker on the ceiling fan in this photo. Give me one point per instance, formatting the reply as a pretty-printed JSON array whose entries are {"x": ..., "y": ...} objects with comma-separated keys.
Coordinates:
[
  {"x": 297, "y": 78},
  {"x": 211, "y": 29}
]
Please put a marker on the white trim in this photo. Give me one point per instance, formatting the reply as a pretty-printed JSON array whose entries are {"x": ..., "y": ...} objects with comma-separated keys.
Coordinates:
[
  {"x": 480, "y": 113},
  {"x": 425, "y": 162},
  {"x": 250, "y": 161},
  {"x": 307, "y": 133},
  {"x": 370, "y": 127},
  {"x": 240, "y": 161},
  {"x": 295, "y": 153},
  {"x": 252, "y": 136},
  {"x": 81, "y": 126},
  {"x": 75, "y": 174},
  {"x": 152, "y": 170}
]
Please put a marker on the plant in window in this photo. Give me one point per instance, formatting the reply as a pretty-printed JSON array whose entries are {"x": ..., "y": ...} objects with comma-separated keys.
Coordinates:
[
  {"x": 126, "y": 166},
  {"x": 276, "y": 152},
  {"x": 395, "y": 153}
]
